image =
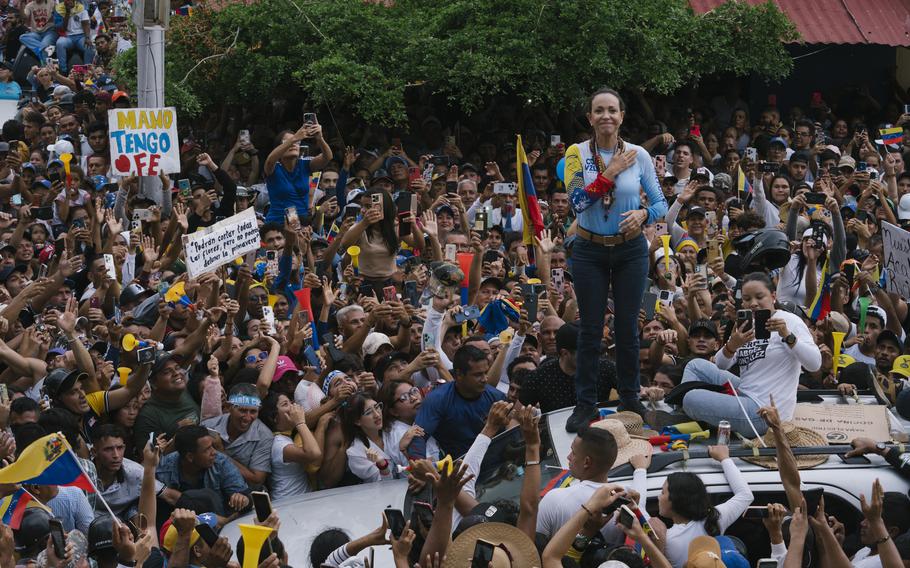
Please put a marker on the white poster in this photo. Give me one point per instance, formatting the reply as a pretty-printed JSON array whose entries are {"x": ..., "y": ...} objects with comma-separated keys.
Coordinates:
[
  {"x": 214, "y": 246},
  {"x": 897, "y": 259},
  {"x": 144, "y": 141}
]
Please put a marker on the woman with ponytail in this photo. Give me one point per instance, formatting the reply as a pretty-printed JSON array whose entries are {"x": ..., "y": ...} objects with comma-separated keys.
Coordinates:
[
  {"x": 604, "y": 176},
  {"x": 685, "y": 501}
]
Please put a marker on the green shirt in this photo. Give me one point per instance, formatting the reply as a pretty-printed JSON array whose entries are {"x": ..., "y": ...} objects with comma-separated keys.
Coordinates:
[{"x": 162, "y": 417}]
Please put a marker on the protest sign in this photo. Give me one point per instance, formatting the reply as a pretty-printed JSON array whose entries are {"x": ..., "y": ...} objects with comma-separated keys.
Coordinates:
[
  {"x": 896, "y": 243},
  {"x": 214, "y": 246},
  {"x": 144, "y": 141},
  {"x": 840, "y": 423}
]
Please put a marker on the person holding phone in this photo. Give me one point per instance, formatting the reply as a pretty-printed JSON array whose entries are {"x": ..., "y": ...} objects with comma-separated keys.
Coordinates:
[
  {"x": 767, "y": 367},
  {"x": 800, "y": 278},
  {"x": 288, "y": 176},
  {"x": 603, "y": 176}
]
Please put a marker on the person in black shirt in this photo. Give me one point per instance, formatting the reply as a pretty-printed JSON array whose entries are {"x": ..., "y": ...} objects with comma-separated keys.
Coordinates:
[{"x": 552, "y": 385}]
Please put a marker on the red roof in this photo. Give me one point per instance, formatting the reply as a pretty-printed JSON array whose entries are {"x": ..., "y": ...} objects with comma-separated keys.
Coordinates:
[{"x": 882, "y": 22}]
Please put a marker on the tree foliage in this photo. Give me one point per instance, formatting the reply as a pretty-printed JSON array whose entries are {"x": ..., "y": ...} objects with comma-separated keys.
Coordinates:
[{"x": 362, "y": 57}]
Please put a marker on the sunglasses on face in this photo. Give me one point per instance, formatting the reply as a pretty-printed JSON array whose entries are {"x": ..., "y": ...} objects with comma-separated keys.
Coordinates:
[
  {"x": 375, "y": 409},
  {"x": 253, "y": 358},
  {"x": 413, "y": 394}
]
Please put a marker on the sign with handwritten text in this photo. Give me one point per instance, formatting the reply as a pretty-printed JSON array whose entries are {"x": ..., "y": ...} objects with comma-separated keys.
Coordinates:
[
  {"x": 144, "y": 141},
  {"x": 840, "y": 423},
  {"x": 896, "y": 243},
  {"x": 214, "y": 246}
]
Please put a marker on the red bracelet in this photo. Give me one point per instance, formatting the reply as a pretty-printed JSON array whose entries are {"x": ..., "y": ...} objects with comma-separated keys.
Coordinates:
[
  {"x": 385, "y": 465},
  {"x": 599, "y": 187}
]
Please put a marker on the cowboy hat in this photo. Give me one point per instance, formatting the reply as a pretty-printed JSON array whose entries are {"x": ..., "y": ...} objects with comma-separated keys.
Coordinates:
[
  {"x": 513, "y": 547},
  {"x": 626, "y": 445},
  {"x": 797, "y": 437},
  {"x": 634, "y": 424}
]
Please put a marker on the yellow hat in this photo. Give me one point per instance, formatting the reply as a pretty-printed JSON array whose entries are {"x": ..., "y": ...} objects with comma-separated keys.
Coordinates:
[
  {"x": 687, "y": 243},
  {"x": 902, "y": 366}
]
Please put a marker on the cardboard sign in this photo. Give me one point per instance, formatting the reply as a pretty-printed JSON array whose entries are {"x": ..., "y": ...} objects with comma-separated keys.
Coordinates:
[
  {"x": 214, "y": 246},
  {"x": 896, "y": 242},
  {"x": 144, "y": 141},
  {"x": 840, "y": 423}
]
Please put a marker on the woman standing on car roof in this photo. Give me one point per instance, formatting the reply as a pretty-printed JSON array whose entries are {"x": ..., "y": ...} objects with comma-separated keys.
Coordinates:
[{"x": 610, "y": 253}]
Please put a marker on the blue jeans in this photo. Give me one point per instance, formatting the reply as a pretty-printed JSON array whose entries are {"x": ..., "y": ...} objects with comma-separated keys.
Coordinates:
[
  {"x": 712, "y": 407},
  {"x": 38, "y": 41},
  {"x": 73, "y": 41},
  {"x": 596, "y": 270}
]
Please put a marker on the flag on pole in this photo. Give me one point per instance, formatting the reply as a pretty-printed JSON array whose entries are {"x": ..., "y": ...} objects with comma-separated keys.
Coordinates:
[
  {"x": 532, "y": 225},
  {"x": 47, "y": 461},
  {"x": 742, "y": 184},
  {"x": 892, "y": 135},
  {"x": 821, "y": 304},
  {"x": 12, "y": 507}
]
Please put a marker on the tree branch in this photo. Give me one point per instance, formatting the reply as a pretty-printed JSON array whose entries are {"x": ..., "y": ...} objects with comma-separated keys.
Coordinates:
[{"x": 204, "y": 59}]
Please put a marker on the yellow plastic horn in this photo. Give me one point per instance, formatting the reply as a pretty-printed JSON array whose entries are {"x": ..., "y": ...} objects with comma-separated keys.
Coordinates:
[
  {"x": 129, "y": 342},
  {"x": 253, "y": 538},
  {"x": 666, "y": 240},
  {"x": 124, "y": 373},
  {"x": 354, "y": 253},
  {"x": 838, "y": 341},
  {"x": 66, "y": 159}
]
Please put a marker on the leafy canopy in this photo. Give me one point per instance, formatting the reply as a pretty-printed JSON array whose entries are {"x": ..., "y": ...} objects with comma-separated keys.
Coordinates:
[{"x": 362, "y": 58}]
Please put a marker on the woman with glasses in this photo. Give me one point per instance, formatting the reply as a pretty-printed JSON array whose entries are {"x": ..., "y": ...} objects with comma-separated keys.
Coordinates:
[
  {"x": 361, "y": 425},
  {"x": 401, "y": 400}
]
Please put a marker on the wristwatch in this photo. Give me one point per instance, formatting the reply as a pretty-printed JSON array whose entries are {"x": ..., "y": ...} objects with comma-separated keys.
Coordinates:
[
  {"x": 581, "y": 542},
  {"x": 881, "y": 448},
  {"x": 790, "y": 340}
]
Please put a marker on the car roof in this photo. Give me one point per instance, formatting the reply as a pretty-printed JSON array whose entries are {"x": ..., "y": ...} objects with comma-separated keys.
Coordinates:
[{"x": 357, "y": 509}]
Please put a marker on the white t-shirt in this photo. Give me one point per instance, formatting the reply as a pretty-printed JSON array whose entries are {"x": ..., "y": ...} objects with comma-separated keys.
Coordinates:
[
  {"x": 392, "y": 437},
  {"x": 287, "y": 478},
  {"x": 74, "y": 22},
  {"x": 560, "y": 505},
  {"x": 364, "y": 468},
  {"x": 308, "y": 395},
  {"x": 679, "y": 536},
  {"x": 862, "y": 559},
  {"x": 860, "y": 357},
  {"x": 771, "y": 367}
]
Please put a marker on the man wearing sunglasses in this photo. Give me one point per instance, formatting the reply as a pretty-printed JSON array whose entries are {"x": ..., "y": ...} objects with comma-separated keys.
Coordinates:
[{"x": 242, "y": 437}]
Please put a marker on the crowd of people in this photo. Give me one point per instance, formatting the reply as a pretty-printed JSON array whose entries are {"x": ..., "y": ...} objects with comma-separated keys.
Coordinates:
[{"x": 412, "y": 297}]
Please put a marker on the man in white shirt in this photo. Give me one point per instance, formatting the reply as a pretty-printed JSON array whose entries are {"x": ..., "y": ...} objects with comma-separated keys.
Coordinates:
[{"x": 72, "y": 22}]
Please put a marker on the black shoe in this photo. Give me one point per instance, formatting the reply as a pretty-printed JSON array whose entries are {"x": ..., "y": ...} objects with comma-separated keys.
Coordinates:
[
  {"x": 633, "y": 406},
  {"x": 581, "y": 416}
]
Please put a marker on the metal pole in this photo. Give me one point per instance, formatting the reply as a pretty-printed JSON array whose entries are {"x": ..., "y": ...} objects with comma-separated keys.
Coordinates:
[{"x": 150, "y": 61}]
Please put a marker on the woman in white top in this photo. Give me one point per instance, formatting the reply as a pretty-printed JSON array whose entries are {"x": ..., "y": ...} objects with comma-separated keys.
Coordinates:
[
  {"x": 768, "y": 204},
  {"x": 289, "y": 460},
  {"x": 361, "y": 424},
  {"x": 685, "y": 501},
  {"x": 400, "y": 401}
]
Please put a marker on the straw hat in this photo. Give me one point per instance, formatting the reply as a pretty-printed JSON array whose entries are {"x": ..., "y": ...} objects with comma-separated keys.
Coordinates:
[
  {"x": 797, "y": 437},
  {"x": 704, "y": 552},
  {"x": 521, "y": 549},
  {"x": 625, "y": 444},
  {"x": 634, "y": 424}
]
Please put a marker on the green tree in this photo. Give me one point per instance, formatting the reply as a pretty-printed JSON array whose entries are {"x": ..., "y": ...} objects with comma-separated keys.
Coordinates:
[{"x": 362, "y": 58}]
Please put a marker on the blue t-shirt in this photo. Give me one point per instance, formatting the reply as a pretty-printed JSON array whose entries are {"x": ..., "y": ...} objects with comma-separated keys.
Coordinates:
[
  {"x": 452, "y": 420},
  {"x": 10, "y": 91},
  {"x": 288, "y": 189}
]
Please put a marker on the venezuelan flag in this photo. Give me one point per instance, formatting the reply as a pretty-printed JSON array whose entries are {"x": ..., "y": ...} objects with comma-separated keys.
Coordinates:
[
  {"x": 821, "y": 305},
  {"x": 742, "y": 184},
  {"x": 892, "y": 135},
  {"x": 47, "y": 461},
  {"x": 532, "y": 225},
  {"x": 495, "y": 316},
  {"x": 564, "y": 479},
  {"x": 12, "y": 507}
]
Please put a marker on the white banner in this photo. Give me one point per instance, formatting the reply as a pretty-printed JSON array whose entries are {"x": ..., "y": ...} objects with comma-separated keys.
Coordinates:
[
  {"x": 144, "y": 141},
  {"x": 897, "y": 259},
  {"x": 214, "y": 246}
]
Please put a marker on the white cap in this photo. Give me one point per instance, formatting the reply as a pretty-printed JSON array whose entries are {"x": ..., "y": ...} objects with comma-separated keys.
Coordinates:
[
  {"x": 659, "y": 253},
  {"x": 60, "y": 147},
  {"x": 903, "y": 207},
  {"x": 61, "y": 90},
  {"x": 374, "y": 341}
]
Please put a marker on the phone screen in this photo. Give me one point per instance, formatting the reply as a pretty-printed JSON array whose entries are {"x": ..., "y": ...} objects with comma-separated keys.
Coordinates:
[
  {"x": 207, "y": 534},
  {"x": 396, "y": 522},
  {"x": 263, "y": 505},
  {"x": 483, "y": 554},
  {"x": 760, "y": 318}
]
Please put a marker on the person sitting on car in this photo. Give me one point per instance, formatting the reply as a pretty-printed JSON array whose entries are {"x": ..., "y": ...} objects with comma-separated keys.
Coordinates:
[{"x": 686, "y": 502}]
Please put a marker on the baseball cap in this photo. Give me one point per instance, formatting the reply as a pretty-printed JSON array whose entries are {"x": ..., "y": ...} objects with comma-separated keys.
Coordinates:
[
  {"x": 380, "y": 175},
  {"x": 117, "y": 95},
  {"x": 778, "y": 140},
  {"x": 696, "y": 211},
  {"x": 41, "y": 184},
  {"x": 799, "y": 157},
  {"x": 468, "y": 166},
  {"x": 386, "y": 361},
  {"x": 374, "y": 341},
  {"x": 8, "y": 271},
  {"x": 857, "y": 373},
  {"x": 60, "y": 381},
  {"x": 704, "y": 324},
  {"x": 393, "y": 160},
  {"x": 903, "y": 207},
  {"x": 445, "y": 207},
  {"x": 846, "y": 162},
  {"x": 134, "y": 292},
  {"x": 901, "y": 366},
  {"x": 168, "y": 534},
  {"x": 888, "y": 335},
  {"x": 61, "y": 90},
  {"x": 567, "y": 337},
  {"x": 283, "y": 366},
  {"x": 101, "y": 534}
]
